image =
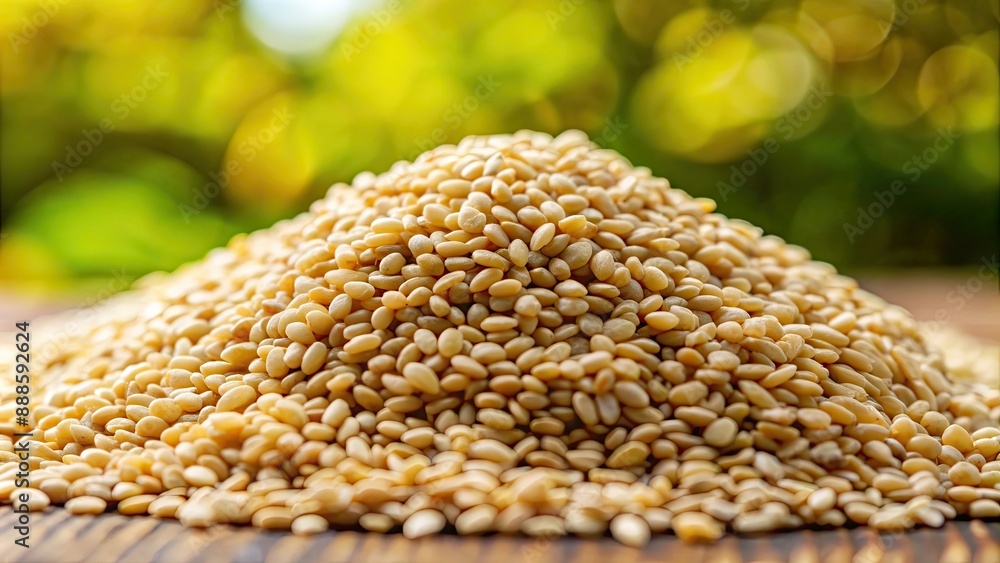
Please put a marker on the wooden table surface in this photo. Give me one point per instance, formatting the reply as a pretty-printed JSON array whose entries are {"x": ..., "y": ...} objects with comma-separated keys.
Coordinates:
[{"x": 56, "y": 536}]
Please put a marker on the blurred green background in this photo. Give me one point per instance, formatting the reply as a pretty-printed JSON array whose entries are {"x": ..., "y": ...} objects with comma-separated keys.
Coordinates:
[{"x": 138, "y": 135}]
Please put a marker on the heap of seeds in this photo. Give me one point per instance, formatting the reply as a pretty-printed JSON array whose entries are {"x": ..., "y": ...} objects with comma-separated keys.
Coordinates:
[
  {"x": 969, "y": 359},
  {"x": 516, "y": 334}
]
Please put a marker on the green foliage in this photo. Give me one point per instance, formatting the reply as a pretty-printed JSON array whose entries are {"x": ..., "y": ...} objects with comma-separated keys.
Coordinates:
[{"x": 813, "y": 107}]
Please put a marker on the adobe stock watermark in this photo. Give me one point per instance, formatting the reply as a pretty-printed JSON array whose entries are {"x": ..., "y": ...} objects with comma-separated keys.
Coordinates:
[
  {"x": 224, "y": 511},
  {"x": 902, "y": 14},
  {"x": 535, "y": 551},
  {"x": 361, "y": 35},
  {"x": 249, "y": 149},
  {"x": 223, "y": 7},
  {"x": 758, "y": 156},
  {"x": 563, "y": 11},
  {"x": 918, "y": 164},
  {"x": 454, "y": 116},
  {"x": 31, "y": 25},
  {"x": 121, "y": 107},
  {"x": 613, "y": 129},
  {"x": 709, "y": 32},
  {"x": 875, "y": 552},
  {"x": 964, "y": 292},
  {"x": 90, "y": 310},
  {"x": 884, "y": 199}
]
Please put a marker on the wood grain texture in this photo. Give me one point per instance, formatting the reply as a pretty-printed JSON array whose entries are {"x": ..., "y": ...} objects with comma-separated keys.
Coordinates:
[{"x": 57, "y": 536}]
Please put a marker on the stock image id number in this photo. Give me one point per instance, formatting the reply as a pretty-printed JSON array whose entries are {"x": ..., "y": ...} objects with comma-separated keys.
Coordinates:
[{"x": 22, "y": 340}]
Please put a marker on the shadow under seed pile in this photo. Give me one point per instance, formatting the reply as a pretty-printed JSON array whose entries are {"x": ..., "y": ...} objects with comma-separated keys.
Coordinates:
[{"x": 517, "y": 334}]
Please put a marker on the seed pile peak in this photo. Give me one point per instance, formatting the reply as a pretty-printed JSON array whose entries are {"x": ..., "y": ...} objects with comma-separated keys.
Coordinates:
[{"x": 519, "y": 333}]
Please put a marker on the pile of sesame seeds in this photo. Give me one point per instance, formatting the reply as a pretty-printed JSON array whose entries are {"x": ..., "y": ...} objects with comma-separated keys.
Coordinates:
[{"x": 517, "y": 334}]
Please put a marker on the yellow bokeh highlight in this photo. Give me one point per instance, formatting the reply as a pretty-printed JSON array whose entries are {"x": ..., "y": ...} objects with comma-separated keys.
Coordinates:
[
  {"x": 855, "y": 27},
  {"x": 959, "y": 87},
  {"x": 896, "y": 104},
  {"x": 809, "y": 31},
  {"x": 512, "y": 44},
  {"x": 867, "y": 76},
  {"x": 269, "y": 161},
  {"x": 690, "y": 86},
  {"x": 232, "y": 83},
  {"x": 719, "y": 86},
  {"x": 24, "y": 261},
  {"x": 642, "y": 19}
]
